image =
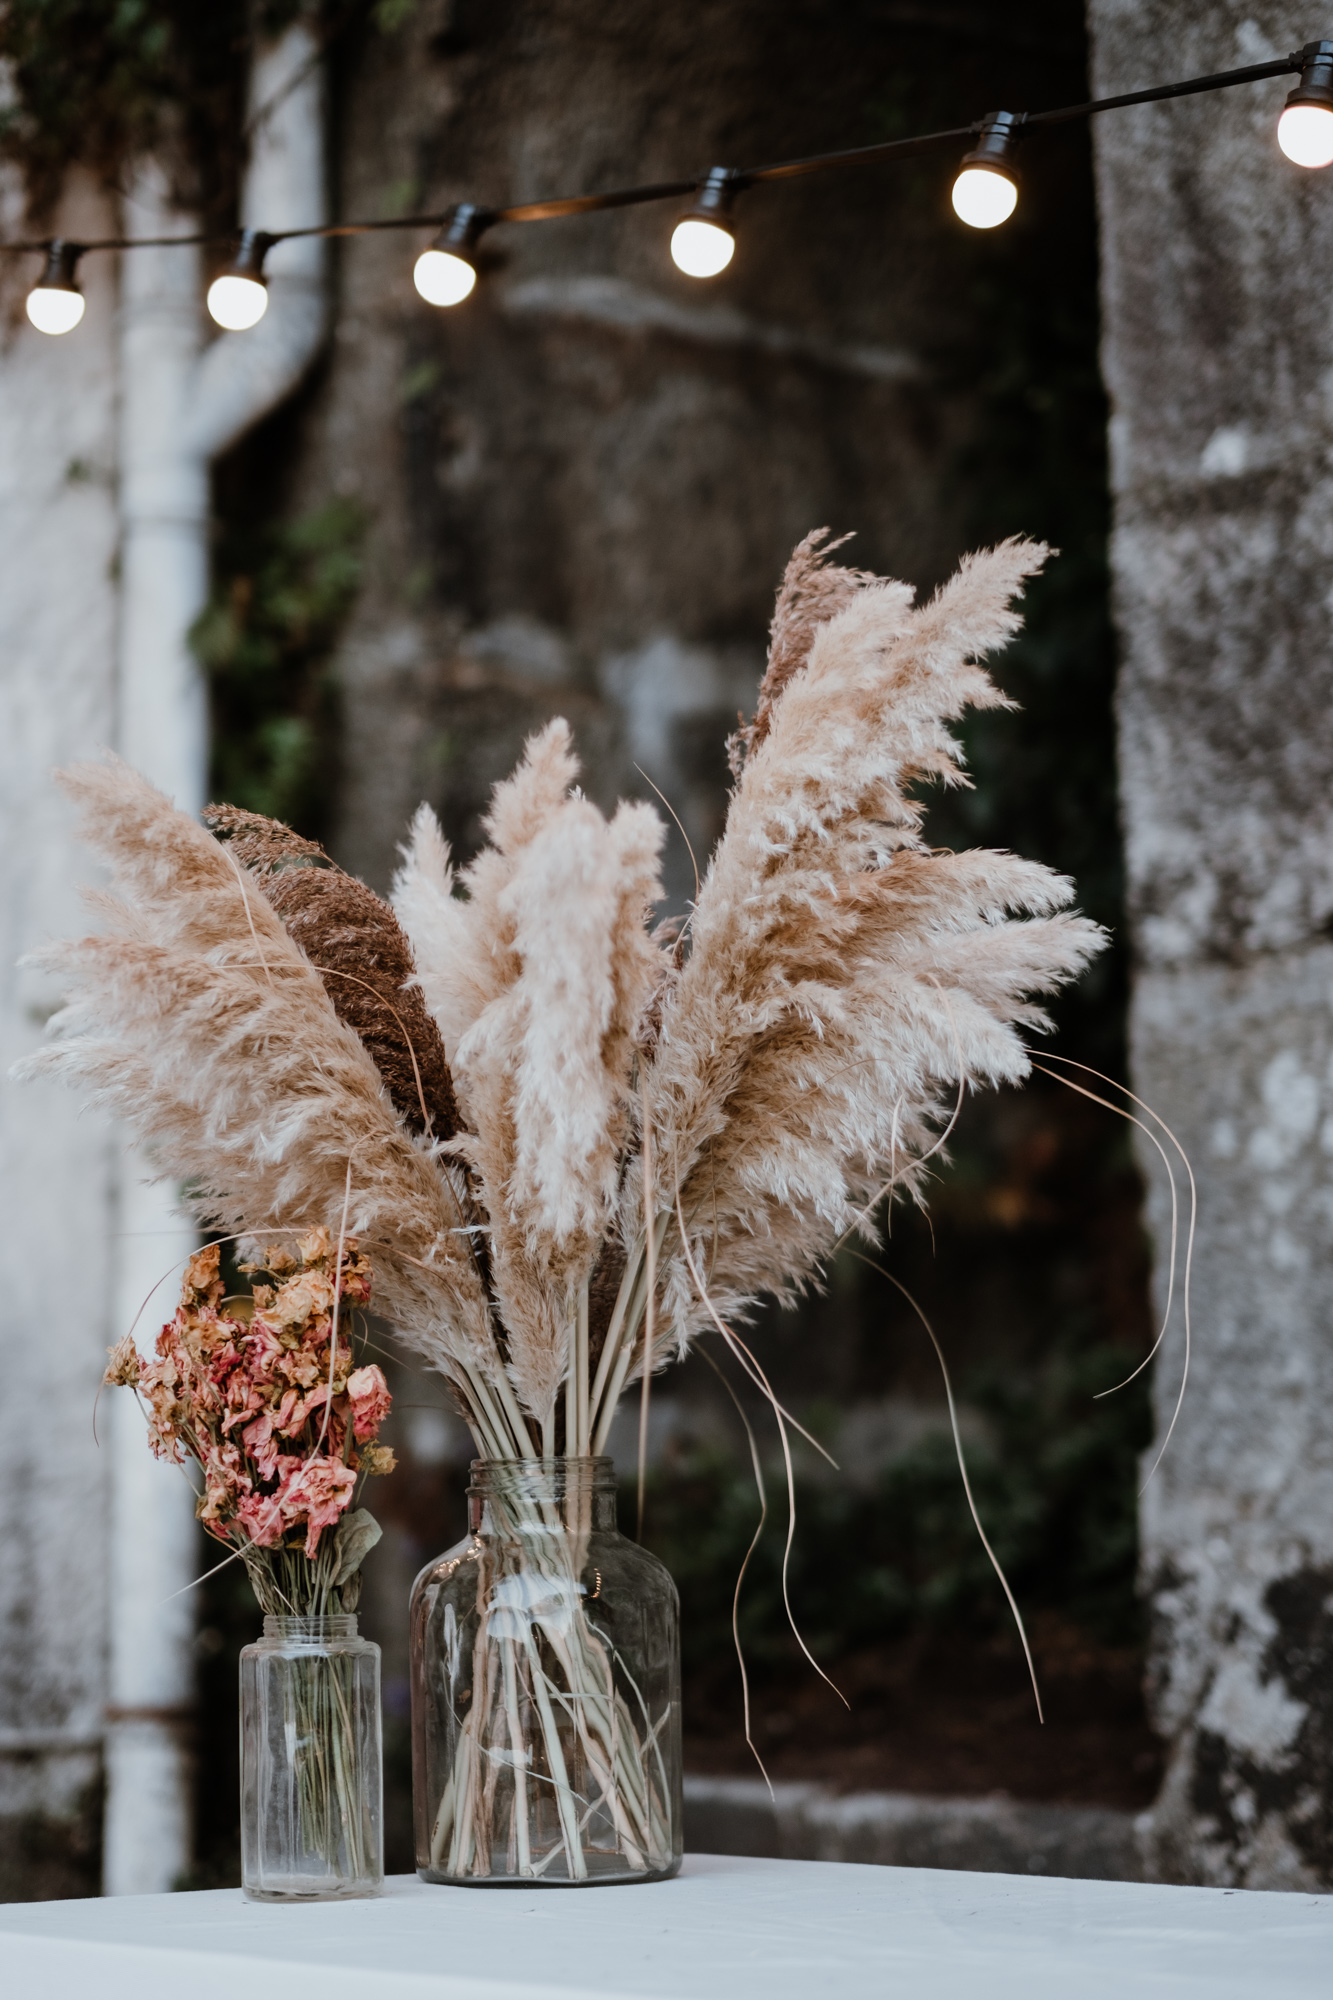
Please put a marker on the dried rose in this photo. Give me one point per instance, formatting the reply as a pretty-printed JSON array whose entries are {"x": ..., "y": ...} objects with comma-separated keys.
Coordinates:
[
  {"x": 122, "y": 1368},
  {"x": 377, "y": 1459},
  {"x": 202, "y": 1275},
  {"x": 368, "y": 1394},
  {"x": 320, "y": 1489}
]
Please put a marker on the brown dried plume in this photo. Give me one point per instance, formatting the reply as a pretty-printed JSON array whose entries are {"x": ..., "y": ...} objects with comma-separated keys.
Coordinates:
[
  {"x": 812, "y": 591},
  {"x": 360, "y": 951}
]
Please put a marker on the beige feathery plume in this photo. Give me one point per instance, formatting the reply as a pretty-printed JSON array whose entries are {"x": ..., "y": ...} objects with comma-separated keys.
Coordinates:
[
  {"x": 362, "y": 955},
  {"x": 812, "y": 591},
  {"x": 546, "y": 1067},
  {"x": 844, "y": 980},
  {"x": 198, "y": 1020},
  {"x": 463, "y": 945}
]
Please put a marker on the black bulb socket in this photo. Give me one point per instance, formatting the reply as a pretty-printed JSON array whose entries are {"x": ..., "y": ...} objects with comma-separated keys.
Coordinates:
[
  {"x": 62, "y": 262},
  {"x": 1316, "y": 84},
  {"x": 995, "y": 148},
  {"x": 462, "y": 231},
  {"x": 252, "y": 247},
  {"x": 715, "y": 199}
]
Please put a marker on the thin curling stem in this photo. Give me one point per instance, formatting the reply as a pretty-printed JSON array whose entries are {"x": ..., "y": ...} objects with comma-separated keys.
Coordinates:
[
  {"x": 756, "y": 1372},
  {"x": 1189, "y": 1243},
  {"x": 962, "y": 1469},
  {"x": 650, "y": 1297},
  {"x": 762, "y": 1490}
]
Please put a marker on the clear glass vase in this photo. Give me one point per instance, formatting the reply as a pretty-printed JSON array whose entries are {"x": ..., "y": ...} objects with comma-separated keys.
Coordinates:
[
  {"x": 312, "y": 1811},
  {"x": 546, "y": 1689}
]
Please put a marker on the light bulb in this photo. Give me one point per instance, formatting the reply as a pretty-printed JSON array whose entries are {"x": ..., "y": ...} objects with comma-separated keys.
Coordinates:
[
  {"x": 55, "y": 303},
  {"x": 54, "y": 311},
  {"x": 446, "y": 272},
  {"x": 1305, "y": 134},
  {"x": 701, "y": 249},
  {"x": 238, "y": 296},
  {"x": 442, "y": 278},
  {"x": 985, "y": 190},
  {"x": 982, "y": 198},
  {"x": 703, "y": 242},
  {"x": 237, "y": 303}
]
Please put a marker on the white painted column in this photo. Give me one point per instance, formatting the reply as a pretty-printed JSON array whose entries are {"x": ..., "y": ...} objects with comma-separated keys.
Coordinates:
[
  {"x": 57, "y": 633},
  {"x": 182, "y": 402}
]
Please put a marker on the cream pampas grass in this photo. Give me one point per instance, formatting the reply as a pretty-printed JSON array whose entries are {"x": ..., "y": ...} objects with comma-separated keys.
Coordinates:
[
  {"x": 843, "y": 979},
  {"x": 480, "y": 1077},
  {"x": 196, "y": 1019}
]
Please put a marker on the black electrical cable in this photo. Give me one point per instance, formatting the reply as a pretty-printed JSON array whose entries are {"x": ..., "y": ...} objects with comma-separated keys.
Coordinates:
[{"x": 739, "y": 179}]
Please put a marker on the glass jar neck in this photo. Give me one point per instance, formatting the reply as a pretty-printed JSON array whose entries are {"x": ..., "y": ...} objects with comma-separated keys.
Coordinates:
[
  {"x": 517, "y": 1496},
  {"x": 309, "y": 1631}
]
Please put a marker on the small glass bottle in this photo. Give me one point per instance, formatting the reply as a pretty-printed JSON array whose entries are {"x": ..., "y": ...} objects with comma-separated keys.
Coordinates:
[
  {"x": 545, "y": 1689},
  {"x": 312, "y": 1809}
]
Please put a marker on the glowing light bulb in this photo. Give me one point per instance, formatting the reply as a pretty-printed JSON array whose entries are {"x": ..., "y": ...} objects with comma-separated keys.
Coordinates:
[
  {"x": 1305, "y": 134},
  {"x": 701, "y": 249},
  {"x": 237, "y": 303},
  {"x": 442, "y": 278},
  {"x": 55, "y": 303},
  {"x": 982, "y": 198},
  {"x": 238, "y": 296},
  {"x": 703, "y": 242},
  {"x": 985, "y": 190},
  {"x": 446, "y": 272},
  {"x": 1305, "y": 129},
  {"x": 53, "y": 309}
]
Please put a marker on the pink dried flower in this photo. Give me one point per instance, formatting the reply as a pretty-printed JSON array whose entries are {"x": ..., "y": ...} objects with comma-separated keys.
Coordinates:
[
  {"x": 261, "y": 1517},
  {"x": 319, "y": 1488},
  {"x": 368, "y": 1393},
  {"x": 226, "y": 1484},
  {"x": 264, "y": 1406}
]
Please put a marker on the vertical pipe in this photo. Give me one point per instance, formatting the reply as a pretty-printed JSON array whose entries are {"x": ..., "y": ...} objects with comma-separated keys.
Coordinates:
[
  {"x": 161, "y": 728},
  {"x": 181, "y": 403}
]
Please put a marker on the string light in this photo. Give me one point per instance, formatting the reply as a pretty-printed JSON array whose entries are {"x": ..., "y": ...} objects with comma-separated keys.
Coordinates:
[
  {"x": 446, "y": 273},
  {"x": 985, "y": 194},
  {"x": 704, "y": 242},
  {"x": 1305, "y": 129},
  {"x": 238, "y": 296},
  {"x": 55, "y": 303}
]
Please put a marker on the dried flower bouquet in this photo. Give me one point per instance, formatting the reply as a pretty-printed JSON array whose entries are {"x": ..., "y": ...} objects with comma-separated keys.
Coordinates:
[{"x": 569, "y": 1144}]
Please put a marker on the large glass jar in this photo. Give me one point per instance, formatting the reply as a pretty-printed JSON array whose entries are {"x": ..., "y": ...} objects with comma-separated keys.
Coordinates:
[
  {"x": 312, "y": 1812},
  {"x": 546, "y": 1689}
]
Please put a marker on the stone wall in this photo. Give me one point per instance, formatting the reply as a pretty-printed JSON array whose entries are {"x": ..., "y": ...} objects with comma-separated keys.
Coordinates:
[
  {"x": 1218, "y": 264},
  {"x": 581, "y": 487}
]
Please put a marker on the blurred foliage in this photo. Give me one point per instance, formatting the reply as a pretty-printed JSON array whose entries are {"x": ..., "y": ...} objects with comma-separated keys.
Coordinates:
[
  {"x": 1054, "y": 1482},
  {"x": 281, "y": 592},
  {"x": 96, "y": 82}
]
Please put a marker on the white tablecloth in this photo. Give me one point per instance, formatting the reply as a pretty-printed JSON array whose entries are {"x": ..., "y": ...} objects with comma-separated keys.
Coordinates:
[{"x": 726, "y": 1929}]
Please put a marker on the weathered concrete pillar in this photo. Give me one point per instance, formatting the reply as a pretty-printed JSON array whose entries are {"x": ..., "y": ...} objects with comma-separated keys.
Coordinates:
[{"x": 1218, "y": 276}]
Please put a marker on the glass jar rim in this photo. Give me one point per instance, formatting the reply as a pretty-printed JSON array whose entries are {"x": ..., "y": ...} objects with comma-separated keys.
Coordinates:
[
  {"x": 299, "y": 1625},
  {"x": 490, "y": 1475}
]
